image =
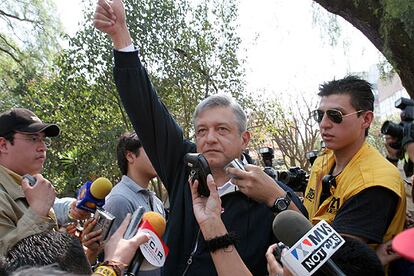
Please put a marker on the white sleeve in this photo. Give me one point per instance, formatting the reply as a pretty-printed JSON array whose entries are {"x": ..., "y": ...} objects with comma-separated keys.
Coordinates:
[{"x": 129, "y": 48}]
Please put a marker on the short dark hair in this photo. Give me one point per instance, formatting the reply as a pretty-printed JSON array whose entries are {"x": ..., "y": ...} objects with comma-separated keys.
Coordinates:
[
  {"x": 362, "y": 97},
  {"x": 46, "y": 248},
  {"x": 128, "y": 141},
  {"x": 9, "y": 137},
  {"x": 356, "y": 258},
  {"x": 360, "y": 91}
]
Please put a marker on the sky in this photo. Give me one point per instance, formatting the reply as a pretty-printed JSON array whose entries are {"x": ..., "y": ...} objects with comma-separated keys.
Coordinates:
[{"x": 286, "y": 54}]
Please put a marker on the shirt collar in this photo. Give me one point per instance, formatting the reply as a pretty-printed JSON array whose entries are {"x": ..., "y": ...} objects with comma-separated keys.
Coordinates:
[
  {"x": 12, "y": 183},
  {"x": 132, "y": 185},
  {"x": 229, "y": 187}
]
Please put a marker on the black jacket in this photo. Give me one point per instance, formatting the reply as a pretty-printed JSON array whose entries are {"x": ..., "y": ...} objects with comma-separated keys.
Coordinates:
[{"x": 165, "y": 146}]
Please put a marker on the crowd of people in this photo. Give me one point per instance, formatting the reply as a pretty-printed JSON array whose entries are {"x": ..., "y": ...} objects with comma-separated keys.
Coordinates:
[{"x": 351, "y": 186}]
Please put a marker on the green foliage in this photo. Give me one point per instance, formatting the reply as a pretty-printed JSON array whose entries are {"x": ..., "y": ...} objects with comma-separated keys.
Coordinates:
[
  {"x": 403, "y": 11},
  {"x": 29, "y": 32},
  {"x": 89, "y": 122},
  {"x": 189, "y": 52}
]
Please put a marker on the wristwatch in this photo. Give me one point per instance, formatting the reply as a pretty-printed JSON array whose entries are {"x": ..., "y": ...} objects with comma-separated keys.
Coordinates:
[{"x": 282, "y": 203}]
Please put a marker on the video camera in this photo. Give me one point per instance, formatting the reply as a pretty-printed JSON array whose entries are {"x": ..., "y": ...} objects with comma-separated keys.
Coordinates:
[
  {"x": 403, "y": 132},
  {"x": 296, "y": 178},
  {"x": 267, "y": 156}
]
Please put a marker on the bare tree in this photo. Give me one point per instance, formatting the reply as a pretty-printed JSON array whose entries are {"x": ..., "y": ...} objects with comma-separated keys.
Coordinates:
[{"x": 290, "y": 128}]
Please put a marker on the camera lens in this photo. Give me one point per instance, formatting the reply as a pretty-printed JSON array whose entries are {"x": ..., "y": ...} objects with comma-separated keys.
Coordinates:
[{"x": 392, "y": 129}]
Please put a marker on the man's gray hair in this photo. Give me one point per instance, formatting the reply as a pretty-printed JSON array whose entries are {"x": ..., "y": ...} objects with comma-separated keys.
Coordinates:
[{"x": 222, "y": 100}]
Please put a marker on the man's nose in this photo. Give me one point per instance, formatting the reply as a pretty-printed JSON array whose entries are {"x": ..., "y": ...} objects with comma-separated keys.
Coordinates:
[
  {"x": 211, "y": 136},
  {"x": 326, "y": 122},
  {"x": 42, "y": 146}
]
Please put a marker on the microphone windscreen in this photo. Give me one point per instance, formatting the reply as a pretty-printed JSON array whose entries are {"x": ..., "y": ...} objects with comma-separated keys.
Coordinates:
[
  {"x": 100, "y": 188},
  {"x": 289, "y": 226},
  {"x": 157, "y": 221}
]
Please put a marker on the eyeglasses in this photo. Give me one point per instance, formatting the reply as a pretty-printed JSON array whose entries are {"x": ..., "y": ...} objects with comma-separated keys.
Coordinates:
[
  {"x": 35, "y": 139},
  {"x": 334, "y": 115}
]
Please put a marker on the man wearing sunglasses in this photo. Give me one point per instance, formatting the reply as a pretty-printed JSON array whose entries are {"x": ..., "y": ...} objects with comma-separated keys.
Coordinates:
[{"x": 352, "y": 186}]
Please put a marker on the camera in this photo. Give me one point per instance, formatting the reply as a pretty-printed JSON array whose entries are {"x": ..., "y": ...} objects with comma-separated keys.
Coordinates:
[
  {"x": 235, "y": 163},
  {"x": 133, "y": 225},
  {"x": 32, "y": 180},
  {"x": 296, "y": 178},
  {"x": 311, "y": 156},
  {"x": 199, "y": 171},
  {"x": 403, "y": 131},
  {"x": 267, "y": 156},
  {"x": 104, "y": 221}
]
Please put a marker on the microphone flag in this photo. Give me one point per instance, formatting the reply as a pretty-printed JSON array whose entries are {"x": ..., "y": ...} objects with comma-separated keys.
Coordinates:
[
  {"x": 154, "y": 250},
  {"x": 314, "y": 249}
]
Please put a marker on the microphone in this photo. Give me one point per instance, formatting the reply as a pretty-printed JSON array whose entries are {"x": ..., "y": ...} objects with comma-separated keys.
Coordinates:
[
  {"x": 154, "y": 251},
  {"x": 310, "y": 247},
  {"x": 92, "y": 194}
]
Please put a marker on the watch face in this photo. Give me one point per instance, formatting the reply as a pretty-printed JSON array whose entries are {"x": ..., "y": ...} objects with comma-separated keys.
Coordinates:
[{"x": 281, "y": 205}]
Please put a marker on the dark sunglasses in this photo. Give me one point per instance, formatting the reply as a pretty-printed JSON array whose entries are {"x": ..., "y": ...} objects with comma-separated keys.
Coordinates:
[{"x": 334, "y": 115}]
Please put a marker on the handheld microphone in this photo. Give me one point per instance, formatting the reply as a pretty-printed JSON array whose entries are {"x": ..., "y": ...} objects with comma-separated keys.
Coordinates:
[
  {"x": 154, "y": 251},
  {"x": 92, "y": 194},
  {"x": 310, "y": 247}
]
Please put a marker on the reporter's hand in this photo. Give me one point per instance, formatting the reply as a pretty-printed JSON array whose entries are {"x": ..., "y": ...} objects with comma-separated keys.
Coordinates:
[
  {"x": 91, "y": 239},
  {"x": 389, "y": 140},
  {"x": 121, "y": 250},
  {"x": 69, "y": 228},
  {"x": 274, "y": 268},
  {"x": 40, "y": 196},
  {"x": 385, "y": 253},
  {"x": 256, "y": 184},
  {"x": 409, "y": 148},
  {"x": 76, "y": 213},
  {"x": 409, "y": 220},
  {"x": 207, "y": 210}
]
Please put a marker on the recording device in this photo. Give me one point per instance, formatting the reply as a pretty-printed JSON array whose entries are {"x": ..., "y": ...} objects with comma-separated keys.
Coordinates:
[
  {"x": 267, "y": 154},
  {"x": 235, "y": 163},
  {"x": 92, "y": 194},
  {"x": 30, "y": 178},
  {"x": 154, "y": 251},
  {"x": 310, "y": 247},
  {"x": 403, "y": 132},
  {"x": 199, "y": 171},
  {"x": 104, "y": 221},
  {"x": 134, "y": 223},
  {"x": 277, "y": 252},
  {"x": 296, "y": 178},
  {"x": 311, "y": 156}
]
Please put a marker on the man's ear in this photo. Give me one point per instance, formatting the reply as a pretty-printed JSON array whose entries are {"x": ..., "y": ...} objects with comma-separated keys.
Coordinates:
[
  {"x": 3, "y": 144},
  {"x": 245, "y": 138},
  {"x": 368, "y": 116},
  {"x": 130, "y": 156}
]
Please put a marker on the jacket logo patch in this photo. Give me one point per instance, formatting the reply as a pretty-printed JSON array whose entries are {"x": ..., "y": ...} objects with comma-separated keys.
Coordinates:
[
  {"x": 333, "y": 205},
  {"x": 311, "y": 194}
]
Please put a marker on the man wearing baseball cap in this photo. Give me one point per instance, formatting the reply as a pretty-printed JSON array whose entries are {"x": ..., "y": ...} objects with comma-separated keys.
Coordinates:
[{"x": 24, "y": 209}]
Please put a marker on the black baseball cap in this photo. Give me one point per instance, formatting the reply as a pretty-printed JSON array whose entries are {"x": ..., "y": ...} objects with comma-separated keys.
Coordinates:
[{"x": 23, "y": 120}]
